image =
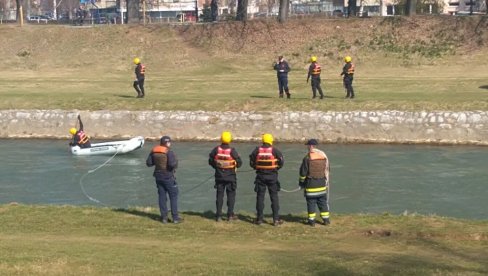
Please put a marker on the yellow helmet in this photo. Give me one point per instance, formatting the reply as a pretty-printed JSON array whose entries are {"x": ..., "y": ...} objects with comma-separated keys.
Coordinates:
[
  {"x": 313, "y": 59},
  {"x": 347, "y": 59},
  {"x": 226, "y": 137},
  {"x": 268, "y": 138},
  {"x": 137, "y": 61},
  {"x": 72, "y": 131}
]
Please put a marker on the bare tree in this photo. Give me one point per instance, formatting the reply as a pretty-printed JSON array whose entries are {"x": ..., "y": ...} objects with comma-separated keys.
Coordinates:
[
  {"x": 241, "y": 10},
  {"x": 410, "y": 7},
  {"x": 19, "y": 4},
  {"x": 133, "y": 11},
  {"x": 284, "y": 9}
]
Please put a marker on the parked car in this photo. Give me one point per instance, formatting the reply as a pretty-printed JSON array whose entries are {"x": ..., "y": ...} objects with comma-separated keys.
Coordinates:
[
  {"x": 37, "y": 18},
  {"x": 337, "y": 13}
]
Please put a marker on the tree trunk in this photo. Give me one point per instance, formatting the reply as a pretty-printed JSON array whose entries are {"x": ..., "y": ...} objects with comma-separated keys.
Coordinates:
[
  {"x": 241, "y": 10},
  {"x": 132, "y": 11},
  {"x": 410, "y": 7},
  {"x": 19, "y": 4},
  {"x": 283, "y": 12},
  {"x": 351, "y": 8}
]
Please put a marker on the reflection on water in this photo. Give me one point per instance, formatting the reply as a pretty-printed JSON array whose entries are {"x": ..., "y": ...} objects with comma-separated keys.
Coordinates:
[{"x": 449, "y": 181}]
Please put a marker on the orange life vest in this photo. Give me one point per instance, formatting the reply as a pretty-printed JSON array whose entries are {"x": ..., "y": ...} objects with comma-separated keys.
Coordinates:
[
  {"x": 143, "y": 69},
  {"x": 317, "y": 164},
  {"x": 82, "y": 137},
  {"x": 265, "y": 160},
  {"x": 223, "y": 159},
  {"x": 316, "y": 70},
  {"x": 350, "y": 70},
  {"x": 160, "y": 158}
]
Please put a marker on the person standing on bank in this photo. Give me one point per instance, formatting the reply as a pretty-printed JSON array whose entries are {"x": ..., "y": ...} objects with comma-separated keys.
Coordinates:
[
  {"x": 225, "y": 160},
  {"x": 79, "y": 136},
  {"x": 165, "y": 162},
  {"x": 314, "y": 178},
  {"x": 348, "y": 73},
  {"x": 314, "y": 71},
  {"x": 140, "y": 71},
  {"x": 267, "y": 160},
  {"x": 282, "y": 68}
]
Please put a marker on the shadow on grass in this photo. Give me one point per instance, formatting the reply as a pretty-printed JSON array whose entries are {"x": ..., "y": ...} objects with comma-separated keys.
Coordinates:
[
  {"x": 139, "y": 213},
  {"x": 484, "y": 87},
  {"x": 126, "y": 96},
  {"x": 210, "y": 215},
  {"x": 261, "y": 97}
]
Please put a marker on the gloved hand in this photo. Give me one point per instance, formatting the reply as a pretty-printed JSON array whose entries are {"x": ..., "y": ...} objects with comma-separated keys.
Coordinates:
[{"x": 300, "y": 185}]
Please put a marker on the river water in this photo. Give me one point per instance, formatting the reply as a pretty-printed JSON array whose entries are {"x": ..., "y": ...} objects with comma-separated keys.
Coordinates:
[{"x": 442, "y": 180}]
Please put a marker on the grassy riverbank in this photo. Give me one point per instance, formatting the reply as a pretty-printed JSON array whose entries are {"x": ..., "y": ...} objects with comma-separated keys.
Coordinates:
[
  {"x": 66, "y": 240},
  {"x": 228, "y": 66}
]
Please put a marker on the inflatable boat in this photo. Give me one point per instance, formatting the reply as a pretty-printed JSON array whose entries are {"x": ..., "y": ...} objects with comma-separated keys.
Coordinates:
[{"x": 110, "y": 148}]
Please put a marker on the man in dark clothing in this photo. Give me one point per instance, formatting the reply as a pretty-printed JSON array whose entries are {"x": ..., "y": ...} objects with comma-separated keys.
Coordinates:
[
  {"x": 348, "y": 73},
  {"x": 140, "y": 77},
  {"x": 165, "y": 163},
  {"x": 314, "y": 71},
  {"x": 225, "y": 159},
  {"x": 314, "y": 175},
  {"x": 79, "y": 136},
  {"x": 282, "y": 68},
  {"x": 267, "y": 160}
]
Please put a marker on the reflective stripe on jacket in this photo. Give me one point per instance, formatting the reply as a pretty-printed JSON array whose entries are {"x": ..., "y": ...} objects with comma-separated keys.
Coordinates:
[{"x": 316, "y": 183}]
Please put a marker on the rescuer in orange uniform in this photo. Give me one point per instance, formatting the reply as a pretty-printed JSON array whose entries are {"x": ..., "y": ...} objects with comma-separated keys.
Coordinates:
[
  {"x": 225, "y": 160},
  {"x": 267, "y": 160}
]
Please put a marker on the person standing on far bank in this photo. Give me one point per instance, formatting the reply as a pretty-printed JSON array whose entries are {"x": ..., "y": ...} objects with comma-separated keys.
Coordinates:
[
  {"x": 165, "y": 163},
  {"x": 225, "y": 160},
  {"x": 282, "y": 68},
  {"x": 348, "y": 73},
  {"x": 267, "y": 160},
  {"x": 140, "y": 72},
  {"x": 314, "y": 178},
  {"x": 314, "y": 72}
]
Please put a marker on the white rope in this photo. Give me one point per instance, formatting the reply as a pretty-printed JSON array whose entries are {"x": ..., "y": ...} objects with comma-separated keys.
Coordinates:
[
  {"x": 292, "y": 191},
  {"x": 91, "y": 171}
]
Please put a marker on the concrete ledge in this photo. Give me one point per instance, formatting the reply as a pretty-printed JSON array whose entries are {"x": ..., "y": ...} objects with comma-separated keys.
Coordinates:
[{"x": 437, "y": 127}]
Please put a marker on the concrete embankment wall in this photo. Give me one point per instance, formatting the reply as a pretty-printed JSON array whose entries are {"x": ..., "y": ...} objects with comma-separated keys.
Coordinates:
[{"x": 443, "y": 127}]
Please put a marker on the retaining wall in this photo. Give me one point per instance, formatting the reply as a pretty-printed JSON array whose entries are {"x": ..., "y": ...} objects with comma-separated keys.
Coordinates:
[{"x": 442, "y": 127}]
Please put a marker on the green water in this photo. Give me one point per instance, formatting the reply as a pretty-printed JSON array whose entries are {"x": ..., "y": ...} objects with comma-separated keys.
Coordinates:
[{"x": 447, "y": 180}]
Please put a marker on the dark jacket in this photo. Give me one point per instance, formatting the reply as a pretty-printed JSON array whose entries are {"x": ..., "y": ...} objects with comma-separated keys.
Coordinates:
[
  {"x": 224, "y": 174},
  {"x": 345, "y": 71},
  {"x": 167, "y": 170},
  {"x": 276, "y": 153},
  {"x": 282, "y": 68},
  {"x": 140, "y": 74}
]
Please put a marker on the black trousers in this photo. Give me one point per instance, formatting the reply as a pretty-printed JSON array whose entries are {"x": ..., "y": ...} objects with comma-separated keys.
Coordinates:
[
  {"x": 228, "y": 187},
  {"x": 269, "y": 182},
  {"x": 349, "y": 88},
  {"x": 283, "y": 85},
  {"x": 139, "y": 87},
  {"x": 316, "y": 86}
]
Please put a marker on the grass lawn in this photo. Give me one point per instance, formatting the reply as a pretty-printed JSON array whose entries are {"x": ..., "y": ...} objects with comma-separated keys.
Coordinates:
[{"x": 65, "y": 240}]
